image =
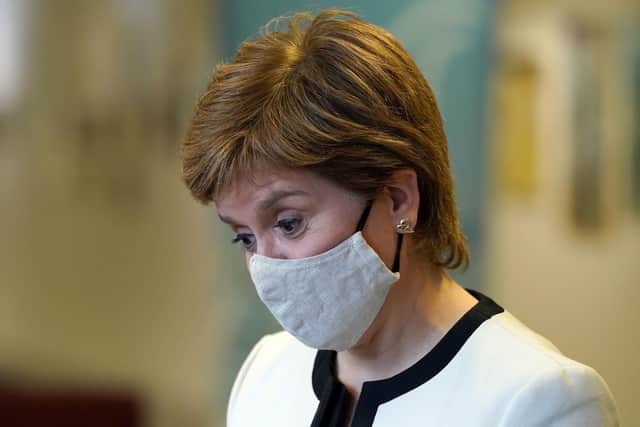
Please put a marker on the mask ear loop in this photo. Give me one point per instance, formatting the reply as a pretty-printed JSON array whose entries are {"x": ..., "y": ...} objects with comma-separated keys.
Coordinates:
[
  {"x": 364, "y": 216},
  {"x": 361, "y": 222},
  {"x": 396, "y": 259}
]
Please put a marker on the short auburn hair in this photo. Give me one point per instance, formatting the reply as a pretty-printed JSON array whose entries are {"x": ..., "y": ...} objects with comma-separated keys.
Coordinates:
[{"x": 334, "y": 95}]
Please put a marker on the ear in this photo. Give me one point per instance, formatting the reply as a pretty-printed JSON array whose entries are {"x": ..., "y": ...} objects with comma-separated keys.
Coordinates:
[{"x": 402, "y": 188}]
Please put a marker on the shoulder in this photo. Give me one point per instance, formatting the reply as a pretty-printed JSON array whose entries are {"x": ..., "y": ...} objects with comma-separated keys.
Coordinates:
[
  {"x": 541, "y": 385},
  {"x": 267, "y": 371},
  {"x": 270, "y": 350}
]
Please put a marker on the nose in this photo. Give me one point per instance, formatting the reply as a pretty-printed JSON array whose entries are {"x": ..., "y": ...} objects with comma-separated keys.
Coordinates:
[{"x": 269, "y": 247}]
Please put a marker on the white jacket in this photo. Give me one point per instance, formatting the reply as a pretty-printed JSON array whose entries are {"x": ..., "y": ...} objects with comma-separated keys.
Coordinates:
[{"x": 488, "y": 370}]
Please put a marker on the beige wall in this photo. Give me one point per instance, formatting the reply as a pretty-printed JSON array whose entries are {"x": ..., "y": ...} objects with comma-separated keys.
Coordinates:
[
  {"x": 105, "y": 261},
  {"x": 579, "y": 287}
]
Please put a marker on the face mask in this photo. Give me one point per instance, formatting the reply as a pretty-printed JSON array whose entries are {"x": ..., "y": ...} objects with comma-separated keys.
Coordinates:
[{"x": 327, "y": 301}]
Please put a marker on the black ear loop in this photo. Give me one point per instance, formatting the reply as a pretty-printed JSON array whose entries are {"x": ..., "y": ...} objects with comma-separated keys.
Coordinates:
[
  {"x": 396, "y": 259},
  {"x": 363, "y": 219},
  {"x": 364, "y": 216}
]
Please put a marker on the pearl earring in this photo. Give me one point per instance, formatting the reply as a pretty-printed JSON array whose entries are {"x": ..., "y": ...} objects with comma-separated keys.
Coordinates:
[{"x": 404, "y": 227}]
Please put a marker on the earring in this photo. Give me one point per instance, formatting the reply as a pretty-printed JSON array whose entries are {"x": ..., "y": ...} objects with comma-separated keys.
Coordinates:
[{"x": 404, "y": 227}]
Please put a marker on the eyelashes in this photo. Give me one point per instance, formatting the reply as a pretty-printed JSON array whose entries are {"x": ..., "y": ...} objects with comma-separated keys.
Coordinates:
[
  {"x": 289, "y": 228},
  {"x": 245, "y": 238}
]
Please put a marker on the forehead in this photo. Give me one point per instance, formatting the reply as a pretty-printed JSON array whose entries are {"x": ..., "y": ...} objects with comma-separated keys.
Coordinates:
[{"x": 250, "y": 190}]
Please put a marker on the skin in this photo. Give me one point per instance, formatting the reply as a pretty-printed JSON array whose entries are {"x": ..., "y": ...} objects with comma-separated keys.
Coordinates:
[{"x": 294, "y": 214}]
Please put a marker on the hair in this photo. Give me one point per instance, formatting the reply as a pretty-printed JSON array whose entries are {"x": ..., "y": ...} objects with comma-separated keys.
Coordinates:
[{"x": 334, "y": 95}]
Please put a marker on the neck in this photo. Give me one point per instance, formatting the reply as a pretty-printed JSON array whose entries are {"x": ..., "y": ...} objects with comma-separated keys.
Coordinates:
[{"x": 419, "y": 310}]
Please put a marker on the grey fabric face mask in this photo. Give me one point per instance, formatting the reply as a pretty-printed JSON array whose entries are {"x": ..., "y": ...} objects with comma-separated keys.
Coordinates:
[{"x": 327, "y": 301}]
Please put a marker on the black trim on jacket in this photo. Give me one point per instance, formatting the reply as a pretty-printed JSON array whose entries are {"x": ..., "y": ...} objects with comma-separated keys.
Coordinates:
[{"x": 333, "y": 396}]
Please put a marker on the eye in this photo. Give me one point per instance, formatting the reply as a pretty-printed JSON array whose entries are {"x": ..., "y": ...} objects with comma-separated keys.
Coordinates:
[
  {"x": 248, "y": 240},
  {"x": 290, "y": 226}
]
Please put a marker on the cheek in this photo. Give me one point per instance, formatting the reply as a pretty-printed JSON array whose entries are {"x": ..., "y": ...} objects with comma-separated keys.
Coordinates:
[
  {"x": 319, "y": 238},
  {"x": 385, "y": 247},
  {"x": 381, "y": 236}
]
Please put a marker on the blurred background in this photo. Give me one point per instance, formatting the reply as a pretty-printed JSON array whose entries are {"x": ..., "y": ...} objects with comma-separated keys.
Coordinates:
[{"x": 121, "y": 294}]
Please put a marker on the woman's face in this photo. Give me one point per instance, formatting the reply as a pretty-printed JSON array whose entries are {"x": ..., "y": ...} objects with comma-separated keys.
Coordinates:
[{"x": 295, "y": 214}]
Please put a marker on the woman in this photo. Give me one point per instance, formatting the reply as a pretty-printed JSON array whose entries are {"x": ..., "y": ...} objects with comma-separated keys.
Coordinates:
[{"x": 322, "y": 147}]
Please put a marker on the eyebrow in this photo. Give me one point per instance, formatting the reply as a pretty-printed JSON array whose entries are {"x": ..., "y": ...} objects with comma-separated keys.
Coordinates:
[
  {"x": 268, "y": 203},
  {"x": 275, "y": 197}
]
